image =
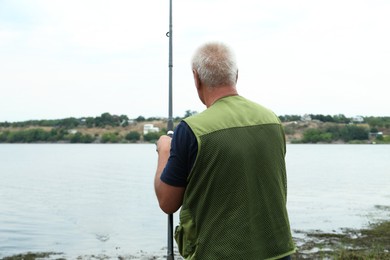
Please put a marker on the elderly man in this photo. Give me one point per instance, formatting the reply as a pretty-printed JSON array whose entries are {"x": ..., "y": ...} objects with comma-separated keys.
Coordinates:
[{"x": 225, "y": 168}]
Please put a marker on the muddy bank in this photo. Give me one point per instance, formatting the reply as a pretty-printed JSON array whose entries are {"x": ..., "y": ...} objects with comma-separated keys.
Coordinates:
[{"x": 370, "y": 243}]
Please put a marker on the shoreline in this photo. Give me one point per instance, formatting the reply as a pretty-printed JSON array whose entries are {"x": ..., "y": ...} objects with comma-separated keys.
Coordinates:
[{"x": 372, "y": 242}]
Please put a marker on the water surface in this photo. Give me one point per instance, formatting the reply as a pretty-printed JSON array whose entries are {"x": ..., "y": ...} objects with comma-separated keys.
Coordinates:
[{"x": 99, "y": 199}]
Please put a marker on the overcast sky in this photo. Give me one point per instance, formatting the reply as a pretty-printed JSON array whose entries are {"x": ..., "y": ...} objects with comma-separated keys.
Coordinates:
[{"x": 78, "y": 58}]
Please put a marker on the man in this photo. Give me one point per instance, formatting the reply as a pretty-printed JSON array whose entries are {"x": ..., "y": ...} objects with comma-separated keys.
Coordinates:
[{"x": 225, "y": 168}]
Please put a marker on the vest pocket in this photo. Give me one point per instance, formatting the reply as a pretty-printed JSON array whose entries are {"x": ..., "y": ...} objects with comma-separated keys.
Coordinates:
[{"x": 185, "y": 234}]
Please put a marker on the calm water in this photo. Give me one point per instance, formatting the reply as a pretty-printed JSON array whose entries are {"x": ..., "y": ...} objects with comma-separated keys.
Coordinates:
[{"x": 99, "y": 199}]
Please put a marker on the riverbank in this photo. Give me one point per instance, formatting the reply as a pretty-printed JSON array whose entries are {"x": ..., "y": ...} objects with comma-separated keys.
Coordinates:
[
  {"x": 372, "y": 242},
  {"x": 313, "y": 131}
]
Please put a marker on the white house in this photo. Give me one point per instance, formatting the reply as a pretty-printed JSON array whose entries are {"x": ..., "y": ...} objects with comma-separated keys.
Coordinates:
[
  {"x": 375, "y": 135},
  {"x": 149, "y": 128},
  {"x": 358, "y": 119}
]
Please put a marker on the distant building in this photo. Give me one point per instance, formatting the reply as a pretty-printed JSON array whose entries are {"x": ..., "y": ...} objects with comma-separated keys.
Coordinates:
[
  {"x": 126, "y": 122},
  {"x": 357, "y": 119},
  {"x": 306, "y": 117},
  {"x": 375, "y": 135},
  {"x": 149, "y": 128}
]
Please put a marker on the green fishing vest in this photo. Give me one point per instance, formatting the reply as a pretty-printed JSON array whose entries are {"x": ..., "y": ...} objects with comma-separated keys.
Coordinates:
[{"x": 234, "y": 206}]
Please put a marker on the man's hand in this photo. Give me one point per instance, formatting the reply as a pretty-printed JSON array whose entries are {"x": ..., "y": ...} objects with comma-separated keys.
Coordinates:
[{"x": 163, "y": 145}]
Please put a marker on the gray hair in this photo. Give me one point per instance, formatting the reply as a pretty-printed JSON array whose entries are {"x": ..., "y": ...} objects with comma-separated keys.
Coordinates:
[{"x": 215, "y": 64}]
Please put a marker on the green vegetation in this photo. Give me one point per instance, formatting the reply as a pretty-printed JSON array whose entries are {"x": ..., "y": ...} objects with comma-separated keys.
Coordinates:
[
  {"x": 334, "y": 133},
  {"x": 336, "y": 129},
  {"x": 37, "y": 135},
  {"x": 133, "y": 136},
  {"x": 370, "y": 243},
  {"x": 106, "y": 119},
  {"x": 111, "y": 138},
  {"x": 33, "y": 256},
  {"x": 379, "y": 122},
  {"x": 108, "y": 128},
  {"x": 81, "y": 138},
  {"x": 152, "y": 137}
]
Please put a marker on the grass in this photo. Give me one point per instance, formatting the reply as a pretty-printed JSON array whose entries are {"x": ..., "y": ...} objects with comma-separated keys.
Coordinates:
[
  {"x": 370, "y": 243},
  {"x": 33, "y": 256}
]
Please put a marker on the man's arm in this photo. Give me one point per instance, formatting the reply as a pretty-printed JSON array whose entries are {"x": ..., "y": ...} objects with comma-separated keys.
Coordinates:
[{"x": 170, "y": 198}]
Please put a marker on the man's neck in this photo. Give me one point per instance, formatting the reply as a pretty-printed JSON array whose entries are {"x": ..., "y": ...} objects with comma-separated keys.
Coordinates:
[{"x": 219, "y": 92}]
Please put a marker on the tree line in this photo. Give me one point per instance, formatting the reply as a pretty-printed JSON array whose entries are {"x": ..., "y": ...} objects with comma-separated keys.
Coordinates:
[
  {"x": 372, "y": 121},
  {"x": 339, "y": 128},
  {"x": 333, "y": 129},
  {"x": 38, "y": 135},
  {"x": 105, "y": 119},
  {"x": 32, "y": 130}
]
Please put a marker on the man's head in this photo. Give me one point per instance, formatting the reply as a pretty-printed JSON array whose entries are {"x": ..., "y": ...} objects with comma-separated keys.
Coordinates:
[{"x": 215, "y": 65}]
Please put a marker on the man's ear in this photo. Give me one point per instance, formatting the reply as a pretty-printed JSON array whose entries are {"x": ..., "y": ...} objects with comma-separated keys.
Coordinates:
[{"x": 196, "y": 79}]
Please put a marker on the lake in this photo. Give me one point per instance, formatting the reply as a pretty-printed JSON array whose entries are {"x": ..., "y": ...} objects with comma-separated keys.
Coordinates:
[{"x": 98, "y": 199}]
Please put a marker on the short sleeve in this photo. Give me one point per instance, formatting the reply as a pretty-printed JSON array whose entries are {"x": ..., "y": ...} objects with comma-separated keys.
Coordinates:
[{"x": 184, "y": 148}]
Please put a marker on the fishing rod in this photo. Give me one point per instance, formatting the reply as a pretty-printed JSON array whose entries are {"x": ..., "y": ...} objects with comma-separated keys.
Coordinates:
[{"x": 170, "y": 254}]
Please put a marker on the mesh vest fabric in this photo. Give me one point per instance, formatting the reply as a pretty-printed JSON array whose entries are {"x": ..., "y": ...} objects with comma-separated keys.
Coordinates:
[{"x": 234, "y": 206}]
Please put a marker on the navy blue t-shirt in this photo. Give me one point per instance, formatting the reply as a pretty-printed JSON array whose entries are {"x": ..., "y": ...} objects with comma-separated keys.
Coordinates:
[{"x": 184, "y": 148}]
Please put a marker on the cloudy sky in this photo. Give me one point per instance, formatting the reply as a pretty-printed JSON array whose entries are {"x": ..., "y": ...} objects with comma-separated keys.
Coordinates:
[{"x": 78, "y": 58}]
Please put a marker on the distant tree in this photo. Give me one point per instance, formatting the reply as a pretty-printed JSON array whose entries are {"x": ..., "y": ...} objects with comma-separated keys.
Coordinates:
[
  {"x": 328, "y": 118},
  {"x": 335, "y": 130},
  {"x": 353, "y": 132},
  {"x": 312, "y": 136},
  {"x": 289, "y": 118},
  {"x": 98, "y": 122},
  {"x": 70, "y": 122},
  {"x": 27, "y": 136},
  {"x": 322, "y": 118},
  {"x": 123, "y": 120},
  {"x": 110, "y": 138},
  {"x": 152, "y": 119},
  {"x": 151, "y": 137},
  {"x": 56, "y": 134},
  {"x": 39, "y": 135},
  {"x": 87, "y": 138},
  {"x": 5, "y": 124},
  {"x": 374, "y": 130},
  {"x": 50, "y": 123},
  {"x": 90, "y": 122},
  {"x": 378, "y": 121},
  {"x": 13, "y": 137},
  {"x": 81, "y": 138},
  {"x": 133, "y": 136},
  {"x": 189, "y": 113},
  {"x": 140, "y": 119},
  {"x": 4, "y": 136},
  {"x": 340, "y": 118},
  {"x": 76, "y": 138}
]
